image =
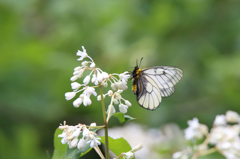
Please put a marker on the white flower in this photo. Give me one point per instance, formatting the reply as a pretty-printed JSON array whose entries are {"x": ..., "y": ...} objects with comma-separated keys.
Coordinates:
[
  {"x": 86, "y": 80},
  {"x": 77, "y": 68},
  {"x": 94, "y": 142},
  {"x": 136, "y": 148},
  {"x": 81, "y": 143},
  {"x": 220, "y": 120},
  {"x": 123, "y": 108},
  {"x": 89, "y": 91},
  {"x": 111, "y": 107},
  {"x": 77, "y": 102},
  {"x": 64, "y": 138},
  {"x": 115, "y": 101},
  {"x": 128, "y": 155},
  {"x": 232, "y": 117},
  {"x": 73, "y": 143},
  {"x": 84, "y": 63},
  {"x": 87, "y": 101},
  {"x": 70, "y": 95},
  {"x": 93, "y": 124},
  {"x": 99, "y": 76},
  {"x": 76, "y": 132},
  {"x": 92, "y": 65},
  {"x": 85, "y": 132},
  {"x": 82, "y": 54},
  {"x": 105, "y": 84},
  {"x": 128, "y": 103},
  {"x": 124, "y": 77},
  {"x": 195, "y": 130},
  {"x": 114, "y": 86},
  {"x": 75, "y": 85},
  {"x": 73, "y": 78},
  {"x": 94, "y": 79},
  {"x": 105, "y": 75},
  {"x": 110, "y": 93}
]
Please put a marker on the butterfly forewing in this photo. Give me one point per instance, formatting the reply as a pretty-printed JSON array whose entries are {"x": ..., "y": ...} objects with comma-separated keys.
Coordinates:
[{"x": 155, "y": 83}]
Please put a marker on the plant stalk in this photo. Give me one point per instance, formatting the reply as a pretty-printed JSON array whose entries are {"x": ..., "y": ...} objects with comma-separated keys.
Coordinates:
[{"x": 105, "y": 123}]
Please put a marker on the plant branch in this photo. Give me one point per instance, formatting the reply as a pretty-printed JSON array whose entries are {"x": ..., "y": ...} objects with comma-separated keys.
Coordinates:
[{"x": 105, "y": 123}]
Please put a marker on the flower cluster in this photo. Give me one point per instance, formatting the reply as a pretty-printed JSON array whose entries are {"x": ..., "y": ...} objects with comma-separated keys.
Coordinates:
[
  {"x": 223, "y": 137},
  {"x": 116, "y": 99},
  {"x": 71, "y": 135},
  {"x": 98, "y": 78}
]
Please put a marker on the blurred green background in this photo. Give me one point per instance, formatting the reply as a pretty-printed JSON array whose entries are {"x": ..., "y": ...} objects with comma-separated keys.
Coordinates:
[{"x": 38, "y": 44}]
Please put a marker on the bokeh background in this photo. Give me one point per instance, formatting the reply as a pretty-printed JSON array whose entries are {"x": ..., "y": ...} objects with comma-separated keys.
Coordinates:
[{"x": 38, "y": 44}]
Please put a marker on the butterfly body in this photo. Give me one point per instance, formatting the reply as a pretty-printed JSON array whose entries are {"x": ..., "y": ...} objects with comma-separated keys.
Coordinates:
[{"x": 153, "y": 83}]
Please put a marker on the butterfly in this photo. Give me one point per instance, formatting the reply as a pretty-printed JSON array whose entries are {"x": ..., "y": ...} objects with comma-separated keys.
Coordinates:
[{"x": 153, "y": 83}]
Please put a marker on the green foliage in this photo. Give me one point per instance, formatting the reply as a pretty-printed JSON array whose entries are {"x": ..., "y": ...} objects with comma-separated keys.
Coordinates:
[
  {"x": 122, "y": 117},
  {"x": 117, "y": 146}
]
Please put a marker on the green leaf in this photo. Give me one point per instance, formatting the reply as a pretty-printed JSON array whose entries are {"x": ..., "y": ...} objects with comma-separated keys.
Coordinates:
[
  {"x": 122, "y": 117},
  {"x": 128, "y": 118},
  {"x": 59, "y": 148},
  {"x": 117, "y": 146}
]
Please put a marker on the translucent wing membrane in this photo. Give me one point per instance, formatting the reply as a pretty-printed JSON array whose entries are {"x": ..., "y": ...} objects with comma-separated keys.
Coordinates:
[{"x": 155, "y": 83}]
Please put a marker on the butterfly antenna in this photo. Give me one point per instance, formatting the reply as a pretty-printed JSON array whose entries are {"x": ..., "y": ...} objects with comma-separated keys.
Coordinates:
[{"x": 140, "y": 61}]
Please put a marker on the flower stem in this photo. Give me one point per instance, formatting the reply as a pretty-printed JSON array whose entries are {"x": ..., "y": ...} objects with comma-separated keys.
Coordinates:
[{"x": 105, "y": 123}]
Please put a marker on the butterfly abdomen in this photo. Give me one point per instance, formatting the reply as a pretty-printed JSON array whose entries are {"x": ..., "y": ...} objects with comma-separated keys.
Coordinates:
[{"x": 135, "y": 75}]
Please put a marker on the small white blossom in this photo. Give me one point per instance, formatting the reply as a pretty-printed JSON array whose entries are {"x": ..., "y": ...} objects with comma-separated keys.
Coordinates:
[
  {"x": 73, "y": 143},
  {"x": 127, "y": 155},
  {"x": 85, "y": 132},
  {"x": 105, "y": 75},
  {"x": 86, "y": 80},
  {"x": 123, "y": 108},
  {"x": 115, "y": 101},
  {"x": 93, "y": 124},
  {"x": 99, "y": 77},
  {"x": 94, "y": 142},
  {"x": 220, "y": 120},
  {"x": 81, "y": 143},
  {"x": 94, "y": 79},
  {"x": 77, "y": 68},
  {"x": 84, "y": 63},
  {"x": 77, "y": 102},
  {"x": 89, "y": 91},
  {"x": 111, "y": 107},
  {"x": 114, "y": 86},
  {"x": 195, "y": 130},
  {"x": 110, "y": 93},
  {"x": 74, "y": 78},
  {"x": 92, "y": 65},
  {"x": 105, "y": 84},
  {"x": 87, "y": 101},
  {"x": 70, "y": 95},
  {"x": 82, "y": 54},
  {"x": 75, "y": 85},
  {"x": 77, "y": 132},
  {"x": 128, "y": 103},
  {"x": 138, "y": 147},
  {"x": 232, "y": 117},
  {"x": 124, "y": 77}
]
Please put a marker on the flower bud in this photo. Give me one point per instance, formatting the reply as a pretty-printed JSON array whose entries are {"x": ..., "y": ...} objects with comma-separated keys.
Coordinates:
[
  {"x": 70, "y": 95},
  {"x": 86, "y": 80}
]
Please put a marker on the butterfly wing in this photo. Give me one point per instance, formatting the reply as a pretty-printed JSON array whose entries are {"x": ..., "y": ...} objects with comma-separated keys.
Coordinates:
[{"x": 155, "y": 83}]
